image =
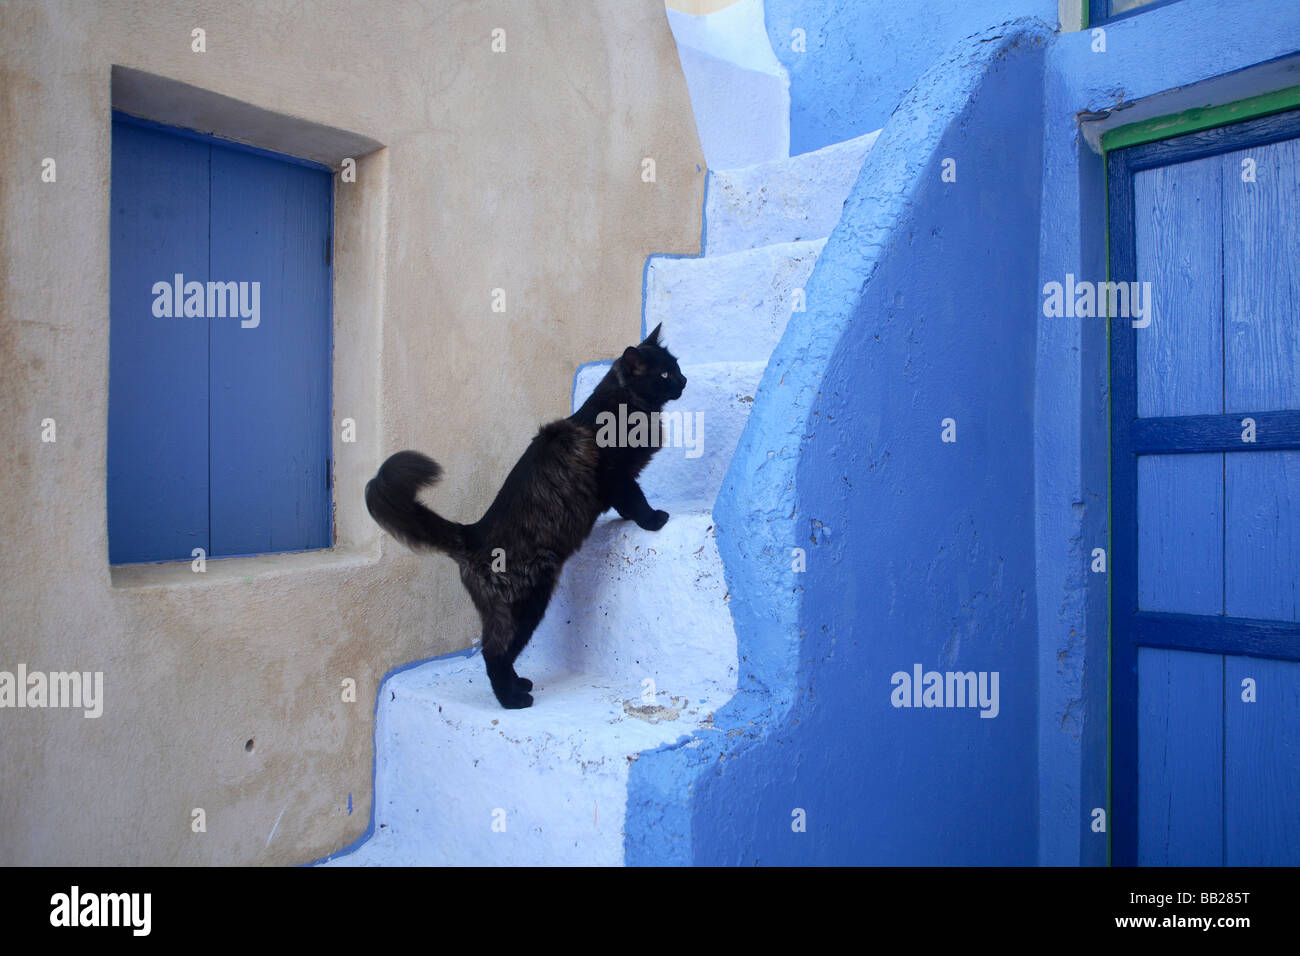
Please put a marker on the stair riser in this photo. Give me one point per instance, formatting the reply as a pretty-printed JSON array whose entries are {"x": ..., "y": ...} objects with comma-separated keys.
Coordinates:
[
  {"x": 688, "y": 473},
  {"x": 729, "y": 308},
  {"x": 796, "y": 199},
  {"x": 442, "y": 785},
  {"x": 642, "y": 605}
]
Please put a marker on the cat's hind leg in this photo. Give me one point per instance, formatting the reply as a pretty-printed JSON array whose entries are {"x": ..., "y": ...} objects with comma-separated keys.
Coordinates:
[
  {"x": 510, "y": 693},
  {"x": 498, "y": 636},
  {"x": 528, "y": 612}
]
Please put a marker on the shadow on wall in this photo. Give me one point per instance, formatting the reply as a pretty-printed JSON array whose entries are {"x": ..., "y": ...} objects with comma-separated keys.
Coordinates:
[{"x": 919, "y": 550}]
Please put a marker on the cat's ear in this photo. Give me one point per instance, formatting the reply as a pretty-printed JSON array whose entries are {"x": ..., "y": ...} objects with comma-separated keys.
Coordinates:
[
  {"x": 653, "y": 337},
  {"x": 633, "y": 362}
]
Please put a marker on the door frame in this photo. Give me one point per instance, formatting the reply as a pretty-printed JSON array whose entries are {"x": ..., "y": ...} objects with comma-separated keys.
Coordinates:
[{"x": 1131, "y": 437}]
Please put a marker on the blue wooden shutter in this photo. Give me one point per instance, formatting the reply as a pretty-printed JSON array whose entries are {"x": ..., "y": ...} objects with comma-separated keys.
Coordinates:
[
  {"x": 158, "y": 368},
  {"x": 271, "y": 384},
  {"x": 219, "y": 434}
]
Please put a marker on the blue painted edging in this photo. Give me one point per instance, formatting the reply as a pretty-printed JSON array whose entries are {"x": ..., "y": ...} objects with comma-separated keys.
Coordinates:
[
  {"x": 810, "y": 728},
  {"x": 704, "y": 236},
  {"x": 374, "y": 756},
  {"x": 573, "y": 389}
]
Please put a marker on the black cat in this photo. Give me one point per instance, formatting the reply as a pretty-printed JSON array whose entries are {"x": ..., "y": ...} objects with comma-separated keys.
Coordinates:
[{"x": 572, "y": 472}]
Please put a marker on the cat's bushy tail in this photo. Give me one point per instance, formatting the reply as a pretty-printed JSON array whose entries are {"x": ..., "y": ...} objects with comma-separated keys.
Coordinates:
[{"x": 390, "y": 498}]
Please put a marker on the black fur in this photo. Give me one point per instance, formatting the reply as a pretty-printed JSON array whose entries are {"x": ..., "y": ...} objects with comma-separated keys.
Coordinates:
[{"x": 542, "y": 514}]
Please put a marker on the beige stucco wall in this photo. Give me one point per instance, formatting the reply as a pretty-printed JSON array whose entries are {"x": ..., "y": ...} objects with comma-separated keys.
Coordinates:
[
  {"x": 698, "y": 7},
  {"x": 519, "y": 170}
]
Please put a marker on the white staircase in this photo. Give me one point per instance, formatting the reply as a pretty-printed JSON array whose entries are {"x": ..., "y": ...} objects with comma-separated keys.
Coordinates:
[{"x": 637, "y": 648}]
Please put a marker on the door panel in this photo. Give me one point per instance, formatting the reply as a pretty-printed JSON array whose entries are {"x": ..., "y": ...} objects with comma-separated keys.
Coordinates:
[
  {"x": 1180, "y": 355},
  {"x": 1181, "y": 770},
  {"x": 1261, "y": 763},
  {"x": 1180, "y": 533},
  {"x": 1261, "y": 285},
  {"x": 1262, "y": 536}
]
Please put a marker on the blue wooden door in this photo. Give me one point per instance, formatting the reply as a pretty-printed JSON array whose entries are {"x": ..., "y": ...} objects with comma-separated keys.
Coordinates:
[
  {"x": 1205, "y": 420},
  {"x": 219, "y": 408}
]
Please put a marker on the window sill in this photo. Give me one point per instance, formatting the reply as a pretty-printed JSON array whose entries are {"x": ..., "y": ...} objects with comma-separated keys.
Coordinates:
[{"x": 245, "y": 569}]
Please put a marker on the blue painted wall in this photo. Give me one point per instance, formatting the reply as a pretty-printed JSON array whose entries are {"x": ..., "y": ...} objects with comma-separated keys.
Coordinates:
[
  {"x": 918, "y": 551},
  {"x": 863, "y": 56}
]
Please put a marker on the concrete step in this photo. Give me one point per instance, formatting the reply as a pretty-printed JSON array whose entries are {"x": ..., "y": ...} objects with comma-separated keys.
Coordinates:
[
  {"x": 687, "y": 474},
  {"x": 461, "y": 782},
  {"x": 785, "y": 200},
  {"x": 636, "y": 649},
  {"x": 636, "y": 605},
  {"x": 740, "y": 92},
  {"x": 730, "y": 306}
]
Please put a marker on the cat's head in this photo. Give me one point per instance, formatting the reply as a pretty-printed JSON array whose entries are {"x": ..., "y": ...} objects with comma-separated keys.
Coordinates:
[{"x": 650, "y": 371}]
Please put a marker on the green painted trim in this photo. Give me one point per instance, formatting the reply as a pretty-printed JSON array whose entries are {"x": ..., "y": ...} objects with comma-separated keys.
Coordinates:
[
  {"x": 1204, "y": 117},
  {"x": 1083, "y": 19}
]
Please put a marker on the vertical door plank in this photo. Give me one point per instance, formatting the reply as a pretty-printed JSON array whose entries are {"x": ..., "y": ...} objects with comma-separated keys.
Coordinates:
[
  {"x": 1262, "y": 763},
  {"x": 1262, "y": 545},
  {"x": 1261, "y": 279},
  {"x": 1178, "y": 250},
  {"x": 1180, "y": 533},
  {"x": 271, "y": 384},
  {"x": 1261, "y": 274},
  {"x": 1180, "y": 758},
  {"x": 158, "y": 367}
]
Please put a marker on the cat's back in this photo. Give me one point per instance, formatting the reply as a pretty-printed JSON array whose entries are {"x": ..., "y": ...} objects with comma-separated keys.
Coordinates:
[
  {"x": 565, "y": 453},
  {"x": 551, "y": 497}
]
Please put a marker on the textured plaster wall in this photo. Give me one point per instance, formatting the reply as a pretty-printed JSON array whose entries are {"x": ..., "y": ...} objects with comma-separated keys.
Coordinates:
[
  {"x": 862, "y": 56},
  {"x": 922, "y": 307},
  {"x": 519, "y": 170}
]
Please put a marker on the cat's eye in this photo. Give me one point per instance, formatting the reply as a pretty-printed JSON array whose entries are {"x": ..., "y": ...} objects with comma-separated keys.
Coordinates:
[{"x": 663, "y": 374}]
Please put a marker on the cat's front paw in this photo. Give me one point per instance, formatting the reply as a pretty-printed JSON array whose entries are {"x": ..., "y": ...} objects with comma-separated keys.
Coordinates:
[{"x": 656, "y": 521}]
